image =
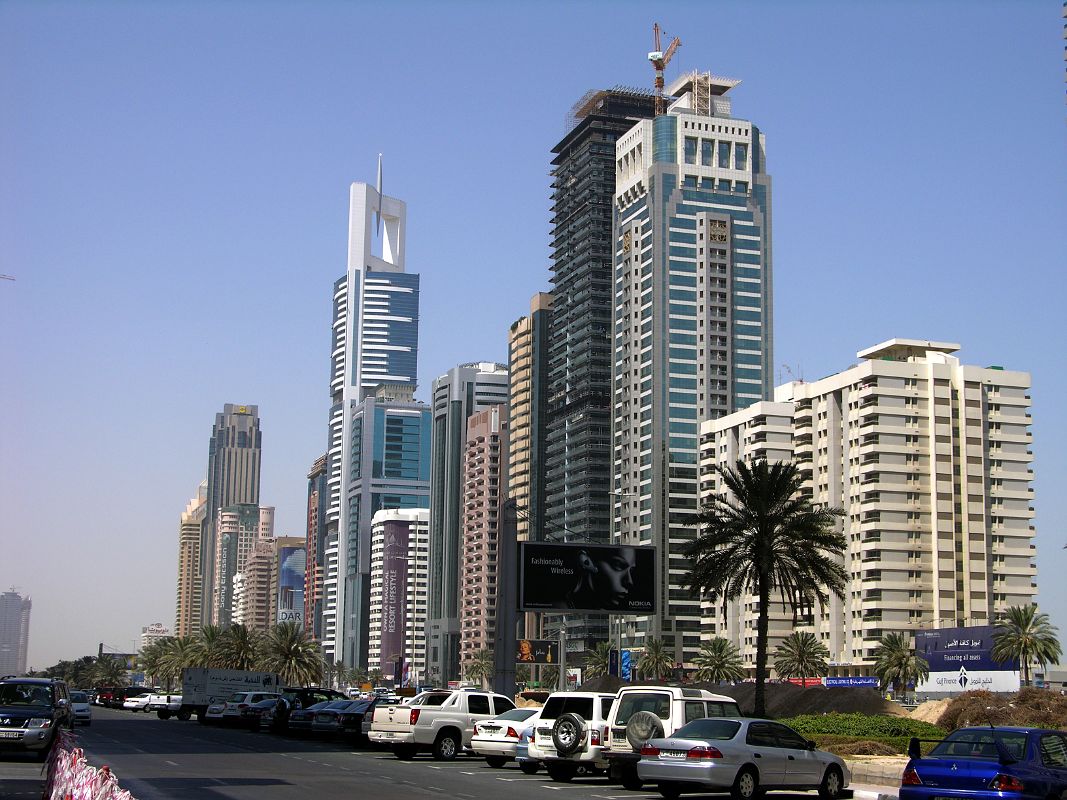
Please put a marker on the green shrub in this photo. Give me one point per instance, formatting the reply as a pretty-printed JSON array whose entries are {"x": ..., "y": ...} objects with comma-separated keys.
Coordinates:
[{"x": 864, "y": 726}]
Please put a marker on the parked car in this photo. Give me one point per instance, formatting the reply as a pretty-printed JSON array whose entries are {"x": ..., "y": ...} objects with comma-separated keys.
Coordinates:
[
  {"x": 300, "y": 719},
  {"x": 103, "y": 696},
  {"x": 252, "y": 716},
  {"x": 342, "y": 718},
  {"x": 239, "y": 701},
  {"x": 120, "y": 694},
  {"x": 79, "y": 706},
  {"x": 137, "y": 702},
  {"x": 528, "y": 765},
  {"x": 213, "y": 713},
  {"x": 746, "y": 757},
  {"x": 987, "y": 763},
  {"x": 497, "y": 739},
  {"x": 167, "y": 705},
  {"x": 571, "y": 734},
  {"x": 640, "y": 713},
  {"x": 31, "y": 711}
]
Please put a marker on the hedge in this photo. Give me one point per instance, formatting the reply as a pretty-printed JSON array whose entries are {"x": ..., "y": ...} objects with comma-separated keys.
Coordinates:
[{"x": 864, "y": 726}]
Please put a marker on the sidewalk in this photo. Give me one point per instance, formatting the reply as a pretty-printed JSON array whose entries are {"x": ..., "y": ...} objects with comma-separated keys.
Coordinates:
[
  {"x": 869, "y": 791},
  {"x": 876, "y": 777}
]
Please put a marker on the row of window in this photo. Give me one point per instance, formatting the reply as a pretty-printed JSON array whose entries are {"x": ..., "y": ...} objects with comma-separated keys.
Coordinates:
[{"x": 712, "y": 153}]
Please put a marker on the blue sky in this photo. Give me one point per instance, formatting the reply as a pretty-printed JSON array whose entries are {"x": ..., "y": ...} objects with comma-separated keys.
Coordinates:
[{"x": 173, "y": 192}]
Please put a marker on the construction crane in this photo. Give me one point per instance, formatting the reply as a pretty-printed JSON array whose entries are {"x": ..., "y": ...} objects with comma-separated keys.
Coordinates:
[{"x": 660, "y": 60}]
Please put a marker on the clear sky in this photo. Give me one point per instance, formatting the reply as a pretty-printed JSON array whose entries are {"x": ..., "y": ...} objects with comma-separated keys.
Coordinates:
[{"x": 173, "y": 204}]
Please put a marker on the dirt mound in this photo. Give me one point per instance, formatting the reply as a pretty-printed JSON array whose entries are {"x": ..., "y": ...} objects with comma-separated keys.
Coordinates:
[
  {"x": 930, "y": 711},
  {"x": 864, "y": 748},
  {"x": 1039, "y": 708}
]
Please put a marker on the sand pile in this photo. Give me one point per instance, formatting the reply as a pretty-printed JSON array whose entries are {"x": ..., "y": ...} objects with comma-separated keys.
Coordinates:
[{"x": 930, "y": 711}]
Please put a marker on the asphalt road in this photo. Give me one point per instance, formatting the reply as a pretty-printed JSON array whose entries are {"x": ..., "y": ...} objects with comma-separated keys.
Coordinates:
[{"x": 171, "y": 760}]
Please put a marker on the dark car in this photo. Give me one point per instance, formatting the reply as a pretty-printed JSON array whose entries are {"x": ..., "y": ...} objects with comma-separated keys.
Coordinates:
[
  {"x": 252, "y": 716},
  {"x": 297, "y": 699},
  {"x": 300, "y": 719},
  {"x": 31, "y": 711},
  {"x": 342, "y": 718},
  {"x": 120, "y": 694},
  {"x": 989, "y": 764}
]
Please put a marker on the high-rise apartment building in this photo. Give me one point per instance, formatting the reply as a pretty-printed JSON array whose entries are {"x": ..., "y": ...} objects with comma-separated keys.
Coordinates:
[
  {"x": 930, "y": 461},
  {"x": 374, "y": 346},
  {"x": 237, "y": 530},
  {"x": 233, "y": 476},
  {"x": 692, "y": 321},
  {"x": 190, "y": 603},
  {"x": 315, "y": 546},
  {"x": 252, "y": 587},
  {"x": 14, "y": 632},
  {"x": 578, "y": 457},
  {"x": 400, "y": 558},
  {"x": 485, "y": 475},
  {"x": 461, "y": 392},
  {"x": 288, "y": 568}
]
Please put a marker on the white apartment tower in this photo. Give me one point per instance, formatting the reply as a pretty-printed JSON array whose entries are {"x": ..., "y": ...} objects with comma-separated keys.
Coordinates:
[{"x": 930, "y": 460}]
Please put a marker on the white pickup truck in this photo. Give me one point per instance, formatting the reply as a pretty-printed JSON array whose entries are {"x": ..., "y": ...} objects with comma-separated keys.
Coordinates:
[
  {"x": 441, "y": 722},
  {"x": 167, "y": 705}
]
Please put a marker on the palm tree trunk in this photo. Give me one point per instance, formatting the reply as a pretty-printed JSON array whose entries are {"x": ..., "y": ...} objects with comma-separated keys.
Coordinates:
[{"x": 761, "y": 649}]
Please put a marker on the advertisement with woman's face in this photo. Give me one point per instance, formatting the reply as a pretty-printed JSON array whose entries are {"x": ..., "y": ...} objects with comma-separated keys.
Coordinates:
[{"x": 617, "y": 579}]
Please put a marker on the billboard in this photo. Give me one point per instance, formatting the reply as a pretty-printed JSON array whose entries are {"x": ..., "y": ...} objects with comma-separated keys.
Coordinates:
[
  {"x": 869, "y": 681},
  {"x": 595, "y": 578},
  {"x": 961, "y": 659},
  {"x": 537, "y": 651},
  {"x": 394, "y": 595},
  {"x": 292, "y": 562}
]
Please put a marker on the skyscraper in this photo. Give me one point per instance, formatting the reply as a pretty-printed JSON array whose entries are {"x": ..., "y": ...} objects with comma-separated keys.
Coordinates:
[
  {"x": 234, "y": 456},
  {"x": 693, "y": 313},
  {"x": 14, "y": 632},
  {"x": 238, "y": 529},
  {"x": 578, "y": 459},
  {"x": 318, "y": 494},
  {"x": 457, "y": 395},
  {"x": 190, "y": 603},
  {"x": 374, "y": 353}
]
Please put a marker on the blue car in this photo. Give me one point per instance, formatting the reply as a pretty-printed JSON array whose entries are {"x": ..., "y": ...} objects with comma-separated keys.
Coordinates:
[{"x": 989, "y": 764}]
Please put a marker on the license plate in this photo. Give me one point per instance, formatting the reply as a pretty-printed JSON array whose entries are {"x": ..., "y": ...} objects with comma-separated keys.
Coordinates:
[
  {"x": 673, "y": 753},
  {"x": 491, "y": 728},
  {"x": 10, "y": 734}
]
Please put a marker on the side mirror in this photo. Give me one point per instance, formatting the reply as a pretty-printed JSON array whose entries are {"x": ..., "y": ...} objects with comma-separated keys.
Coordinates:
[
  {"x": 62, "y": 703},
  {"x": 914, "y": 751},
  {"x": 812, "y": 745}
]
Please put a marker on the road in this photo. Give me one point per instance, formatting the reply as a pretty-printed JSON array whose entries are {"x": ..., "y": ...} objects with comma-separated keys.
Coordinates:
[{"x": 172, "y": 760}]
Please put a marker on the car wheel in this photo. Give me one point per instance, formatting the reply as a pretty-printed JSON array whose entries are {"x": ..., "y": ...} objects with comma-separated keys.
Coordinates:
[
  {"x": 568, "y": 734},
  {"x": 529, "y": 767},
  {"x": 563, "y": 773},
  {"x": 631, "y": 780},
  {"x": 746, "y": 785},
  {"x": 446, "y": 747},
  {"x": 163, "y": 714},
  {"x": 404, "y": 752},
  {"x": 669, "y": 791},
  {"x": 832, "y": 781},
  {"x": 184, "y": 716},
  {"x": 496, "y": 762}
]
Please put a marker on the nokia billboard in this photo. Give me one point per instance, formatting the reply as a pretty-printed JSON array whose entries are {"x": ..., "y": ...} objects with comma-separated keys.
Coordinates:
[{"x": 596, "y": 578}]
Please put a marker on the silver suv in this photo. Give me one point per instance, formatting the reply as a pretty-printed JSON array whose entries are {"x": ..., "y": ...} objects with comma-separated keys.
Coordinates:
[
  {"x": 570, "y": 734},
  {"x": 640, "y": 713}
]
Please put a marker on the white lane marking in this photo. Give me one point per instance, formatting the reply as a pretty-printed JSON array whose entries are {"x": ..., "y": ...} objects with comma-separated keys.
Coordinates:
[
  {"x": 472, "y": 773},
  {"x": 172, "y": 763}
]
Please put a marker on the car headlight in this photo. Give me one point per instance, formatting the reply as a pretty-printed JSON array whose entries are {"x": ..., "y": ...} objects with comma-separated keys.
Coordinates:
[{"x": 39, "y": 722}]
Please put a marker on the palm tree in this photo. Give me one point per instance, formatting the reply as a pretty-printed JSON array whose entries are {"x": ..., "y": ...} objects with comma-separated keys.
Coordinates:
[
  {"x": 765, "y": 536},
  {"x": 1028, "y": 636},
  {"x": 375, "y": 677},
  {"x": 293, "y": 654},
  {"x": 522, "y": 674},
  {"x": 597, "y": 660},
  {"x": 897, "y": 664},
  {"x": 357, "y": 676},
  {"x": 719, "y": 660},
  {"x": 655, "y": 663},
  {"x": 210, "y": 640},
  {"x": 239, "y": 647},
  {"x": 180, "y": 652},
  {"x": 151, "y": 659},
  {"x": 799, "y": 655},
  {"x": 108, "y": 671},
  {"x": 340, "y": 672},
  {"x": 480, "y": 667}
]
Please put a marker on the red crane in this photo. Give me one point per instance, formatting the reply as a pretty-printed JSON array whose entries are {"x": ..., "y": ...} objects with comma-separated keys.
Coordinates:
[{"x": 659, "y": 60}]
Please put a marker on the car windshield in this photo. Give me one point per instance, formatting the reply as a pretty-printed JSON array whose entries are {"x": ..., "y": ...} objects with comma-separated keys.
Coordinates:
[
  {"x": 718, "y": 729},
  {"x": 559, "y": 705},
  {"x": 979, "y": 743},
  {"x": 317, "y": 706},
  {"x": 338, "y": 705},
  {"x": 79, "y": 697},
  {"x": 237, "y": 698},
  {"x": 25, "y": 694},
  {"x": 658, "y": 703},
  {"x": 518, "y": 714},
  {"x": 430, "y": 699}
]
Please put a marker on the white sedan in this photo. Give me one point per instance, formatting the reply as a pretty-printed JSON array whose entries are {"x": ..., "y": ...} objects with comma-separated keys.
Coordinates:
[
  {"x": 497, "y": 738},
  {"x": 743, "y": 756},
  {"x": 137, "y": 702}
]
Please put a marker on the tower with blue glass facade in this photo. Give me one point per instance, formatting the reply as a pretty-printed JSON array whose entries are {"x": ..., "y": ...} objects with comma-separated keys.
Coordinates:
[
  {"x": 692, "y": 323},
  {"x": 379, "y": 437}
]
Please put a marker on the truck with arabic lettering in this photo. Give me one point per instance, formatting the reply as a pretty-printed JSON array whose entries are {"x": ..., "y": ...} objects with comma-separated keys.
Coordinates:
[{"x": 204, "y": 686}]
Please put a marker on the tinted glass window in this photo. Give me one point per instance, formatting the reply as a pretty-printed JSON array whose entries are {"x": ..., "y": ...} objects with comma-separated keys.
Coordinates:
[
  {"x": 25, "y": 694},
  {"x": 435, "y": 699},
  {"x": 788, "y": 737},
  {"x": 502, "y": 704},
  {"x": 605, "y": 706},
  {"x": 760, "y": 735},
  {"x": 1054, "y": 750},
  {"x": 718, "y": 729},
  {"x": 558, "y": 705},
  {"x": 632, "y": 702},
  {"x": 717, "y": 709},
  {"x": 694, "y": 710},
  {"x": 978, "y": 743},
  {"x": 478, "y": 704},
  {"x": 237, "y": 698},
  {"x": 79, "y": 697},
  {"x": 518, "y": 714}
]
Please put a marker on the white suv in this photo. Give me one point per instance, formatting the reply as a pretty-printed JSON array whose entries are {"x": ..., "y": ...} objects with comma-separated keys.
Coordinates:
[
  {"x": 231, "y": 712},
  {"x": 570, "y": 734},
  {"x": 640, "y": 713}
]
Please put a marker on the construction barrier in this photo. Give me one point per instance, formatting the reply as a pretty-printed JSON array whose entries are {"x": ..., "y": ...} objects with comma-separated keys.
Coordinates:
[{"x": 71, "y": 777}]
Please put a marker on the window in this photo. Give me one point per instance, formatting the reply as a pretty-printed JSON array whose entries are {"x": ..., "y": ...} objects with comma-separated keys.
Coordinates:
[
  {"x": 632, "y": 702},
  {"x": 787, "y": 737},
  {"x": 1054, "y": 750},
  {"x": 478, "y": 704},
  {"x": 761, "y": 735},
  {"x": 706, "y": 152},
  {"x": 694, "y": 710},
  {"x": 690, "y": 150},
  {"x": 740, "y": 156},
  {"x": 724, "y": 155},
  {"x": 502, "y": 704}
]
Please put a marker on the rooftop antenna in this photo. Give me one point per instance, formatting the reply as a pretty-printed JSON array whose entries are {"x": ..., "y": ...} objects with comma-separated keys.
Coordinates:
[
  {"x": 378, "y": 213},
  {"x": 659, "y": 60}
]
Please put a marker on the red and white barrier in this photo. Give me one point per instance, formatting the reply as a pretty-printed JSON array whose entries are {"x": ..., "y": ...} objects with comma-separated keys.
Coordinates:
[{"x": 71, "y": 777}]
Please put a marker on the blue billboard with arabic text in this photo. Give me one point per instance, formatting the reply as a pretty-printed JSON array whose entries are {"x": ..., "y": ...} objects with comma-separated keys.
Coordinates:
[{"x": 948, "y": 649}]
